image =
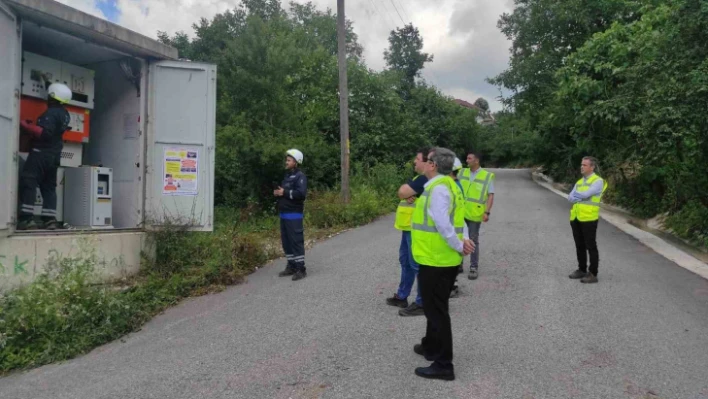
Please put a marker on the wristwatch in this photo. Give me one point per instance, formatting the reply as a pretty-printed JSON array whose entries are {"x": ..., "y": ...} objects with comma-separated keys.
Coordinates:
[{"x": 488, "y": 213}]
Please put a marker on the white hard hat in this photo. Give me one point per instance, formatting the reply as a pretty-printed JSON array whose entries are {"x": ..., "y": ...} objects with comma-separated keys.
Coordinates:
[
  {"x": 296, "y": 154},
  {"x": 457, "y": 165},
  {"x": 59, "y": 92}
]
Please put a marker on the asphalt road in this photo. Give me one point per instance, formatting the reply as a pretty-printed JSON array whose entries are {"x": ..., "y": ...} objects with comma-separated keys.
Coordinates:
[{"x": 523, "y": 330}]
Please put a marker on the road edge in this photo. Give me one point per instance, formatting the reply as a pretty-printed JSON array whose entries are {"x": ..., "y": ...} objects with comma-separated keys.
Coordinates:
[{"x": 656, "y": 244}]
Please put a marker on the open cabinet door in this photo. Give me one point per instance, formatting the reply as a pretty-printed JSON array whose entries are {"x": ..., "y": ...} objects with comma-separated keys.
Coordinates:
[
  {"x": 180, "y": 145},
  {"x": 10, "y": 64}
]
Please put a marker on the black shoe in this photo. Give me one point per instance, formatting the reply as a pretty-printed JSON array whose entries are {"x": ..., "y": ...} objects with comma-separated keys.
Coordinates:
[
  {"x": 51, "y": 224},
  {"x": 435, "y": 373},
  {"x": 418, "y": 348},
  {"x": 413, "y": 310},
  {"x": 578, "y": 274},
  {"x": 395, "y": 301},
  {"x": 589, "y": 279},
  {"x": 289, "y": 271},
  {"x": 473, "y": 274},
  {"x": 299, "y": 275},
  {"x": 27, "y": 225}
]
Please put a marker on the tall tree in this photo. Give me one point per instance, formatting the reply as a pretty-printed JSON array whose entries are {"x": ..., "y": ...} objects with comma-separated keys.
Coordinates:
[
  {"x": 405, "y": 53},
  {"x": 482, "y": 104}
]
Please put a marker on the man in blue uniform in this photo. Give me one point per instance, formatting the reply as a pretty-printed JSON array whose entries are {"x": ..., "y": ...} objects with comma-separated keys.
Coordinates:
[
  {"x": 43, "y": 159},
  {"x": 291, "y": 205}
]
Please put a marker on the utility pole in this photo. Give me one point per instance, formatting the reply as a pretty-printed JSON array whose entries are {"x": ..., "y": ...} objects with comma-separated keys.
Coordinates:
[{"x": 343, "y": 98}]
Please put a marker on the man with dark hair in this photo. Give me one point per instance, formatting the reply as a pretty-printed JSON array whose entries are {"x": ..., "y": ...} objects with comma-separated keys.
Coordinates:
[
  {"x": 584, "y": 216},
  {"x": 478, "y": 190},
  {"x": 408, "y": 194},
  {"x": 440, "y": 241}
]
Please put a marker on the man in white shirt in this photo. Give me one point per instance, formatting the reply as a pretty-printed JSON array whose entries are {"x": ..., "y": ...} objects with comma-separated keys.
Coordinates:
[{"x": 440, "y": 240}]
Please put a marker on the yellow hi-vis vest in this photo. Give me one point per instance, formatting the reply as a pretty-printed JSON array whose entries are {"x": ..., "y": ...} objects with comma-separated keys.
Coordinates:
[
  {"x": 404, "y": 213},
  {"x": 588, "y": 210},
  {"x": 476, "y": 192},
  {"x": 429, "y": 247}
]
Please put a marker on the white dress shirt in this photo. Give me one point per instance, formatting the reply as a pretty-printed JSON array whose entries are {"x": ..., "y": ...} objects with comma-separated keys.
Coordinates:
[{"x": 439, "y": 210}]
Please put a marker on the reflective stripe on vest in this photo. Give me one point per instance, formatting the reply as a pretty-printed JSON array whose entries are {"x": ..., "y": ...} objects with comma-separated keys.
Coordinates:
[
  {"x": 429, "y": 247},
  {"x": 587, "y": 210},
  {"x": 476, "y": 192},
  {"x": 425, "y": 226}
]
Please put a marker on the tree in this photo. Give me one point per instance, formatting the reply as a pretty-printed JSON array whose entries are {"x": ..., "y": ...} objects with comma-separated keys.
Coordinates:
[
  {"x": 482, "y": 104},
  {"x": 405, "y": 54}
]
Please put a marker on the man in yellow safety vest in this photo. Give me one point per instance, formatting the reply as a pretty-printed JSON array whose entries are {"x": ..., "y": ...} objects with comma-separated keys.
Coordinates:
[
  {"x": 408, "y": 193},
  {"x": 440, "y": 240},
  {"x": 584, "y": 216},
  {"x": 478, "y": 189}
]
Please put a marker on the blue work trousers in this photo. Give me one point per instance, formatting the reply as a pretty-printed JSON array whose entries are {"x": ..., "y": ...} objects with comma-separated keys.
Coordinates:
[{"x": 409, "y": 269}]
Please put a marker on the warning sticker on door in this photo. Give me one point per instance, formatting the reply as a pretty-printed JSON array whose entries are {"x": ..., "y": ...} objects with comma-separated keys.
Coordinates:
[{"x": 181, "y": 172}]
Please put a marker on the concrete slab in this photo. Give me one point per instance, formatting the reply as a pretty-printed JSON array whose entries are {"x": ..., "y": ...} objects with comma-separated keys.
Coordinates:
[{"x": 24, "y": 257}]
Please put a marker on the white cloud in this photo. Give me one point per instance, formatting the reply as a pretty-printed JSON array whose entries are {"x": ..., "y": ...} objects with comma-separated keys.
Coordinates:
[{"x": 462, "y": 34}]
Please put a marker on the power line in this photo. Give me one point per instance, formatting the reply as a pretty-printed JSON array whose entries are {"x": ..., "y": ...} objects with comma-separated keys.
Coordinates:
[
  {"x": 393, "y": 22},
  {"x": 373, "y": 3},
  {"x": 405, "y": 12},
  {"x": 399, "y": 14}
]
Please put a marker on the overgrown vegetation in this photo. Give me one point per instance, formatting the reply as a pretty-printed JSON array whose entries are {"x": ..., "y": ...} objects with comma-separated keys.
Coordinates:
[
  {"x": 65, "y": 313},
  {"x": 625, "y": 81},
  {"x": 278, "y": 88}
]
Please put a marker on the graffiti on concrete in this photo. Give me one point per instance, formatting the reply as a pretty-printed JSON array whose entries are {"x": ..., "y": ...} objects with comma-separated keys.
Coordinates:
[{"x": 18, "y": 267}]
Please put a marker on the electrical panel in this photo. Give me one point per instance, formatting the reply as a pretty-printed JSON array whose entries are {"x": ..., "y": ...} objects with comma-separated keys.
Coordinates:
[
  {"x": 32, "y": 108},
  {"x": 88, "y": 200},
  {"x": 36, "y": 68}
]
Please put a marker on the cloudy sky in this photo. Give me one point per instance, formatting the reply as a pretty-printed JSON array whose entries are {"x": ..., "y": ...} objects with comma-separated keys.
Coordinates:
[{"x": 461, "y": 34}]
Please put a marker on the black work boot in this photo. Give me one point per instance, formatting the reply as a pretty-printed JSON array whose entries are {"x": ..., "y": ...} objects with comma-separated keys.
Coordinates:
[
  {"x": 289, "y": 271},
  {"x": 299, "y": 275},
  {"x": 589, "y": 279},
  {"x": 27, "y": 224},
  {"x": 396, "y": 301},
  {"x": 578, "y": 274},
  {"x": 413, "y": 310},
  {"x": 51, "y": 224}
]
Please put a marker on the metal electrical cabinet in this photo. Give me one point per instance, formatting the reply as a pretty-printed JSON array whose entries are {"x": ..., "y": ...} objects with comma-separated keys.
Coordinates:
[{"x": 89, "y": 202}]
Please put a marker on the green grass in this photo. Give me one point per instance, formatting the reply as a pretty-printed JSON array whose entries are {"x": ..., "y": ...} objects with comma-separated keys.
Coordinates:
[{"x": 63, "y": 313}]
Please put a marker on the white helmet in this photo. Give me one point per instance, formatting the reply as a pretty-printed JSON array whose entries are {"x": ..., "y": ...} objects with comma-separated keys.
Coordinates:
[
  {"x": 296, "y": 154},
  {"x": 59, "y": 92},
  {"x": 457, "y": 165}
]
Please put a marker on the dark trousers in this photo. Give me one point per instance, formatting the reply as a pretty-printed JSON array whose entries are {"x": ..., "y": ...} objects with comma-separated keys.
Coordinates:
[
  {"x": 435, "y": 285},
  {"x": 293, "y": 237},
  {"x": 585, "y": 236},
  {"x": 40, "y": 170}
]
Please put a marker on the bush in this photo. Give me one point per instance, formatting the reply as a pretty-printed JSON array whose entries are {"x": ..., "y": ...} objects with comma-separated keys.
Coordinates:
[
  {"x": 60, "y": 315},
  {"x": 63, "y": 313}
]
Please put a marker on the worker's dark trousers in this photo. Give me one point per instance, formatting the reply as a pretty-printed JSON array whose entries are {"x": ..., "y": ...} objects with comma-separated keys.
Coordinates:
[
  {"x": 585, "y": 234},
  {"x": 435, "y": 285},
  {"x": 39, "y": 170},
  {"x": 293, "y": 237}
]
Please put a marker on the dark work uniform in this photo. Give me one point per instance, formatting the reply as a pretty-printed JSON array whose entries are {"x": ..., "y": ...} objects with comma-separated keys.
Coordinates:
[
  {"x": 42, "y": 164},
  {"x": 291, "y": 207}
]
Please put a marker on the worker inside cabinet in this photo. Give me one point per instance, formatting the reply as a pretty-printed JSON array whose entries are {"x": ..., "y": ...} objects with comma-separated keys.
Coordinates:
[{"x": 40, "y": 169}]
